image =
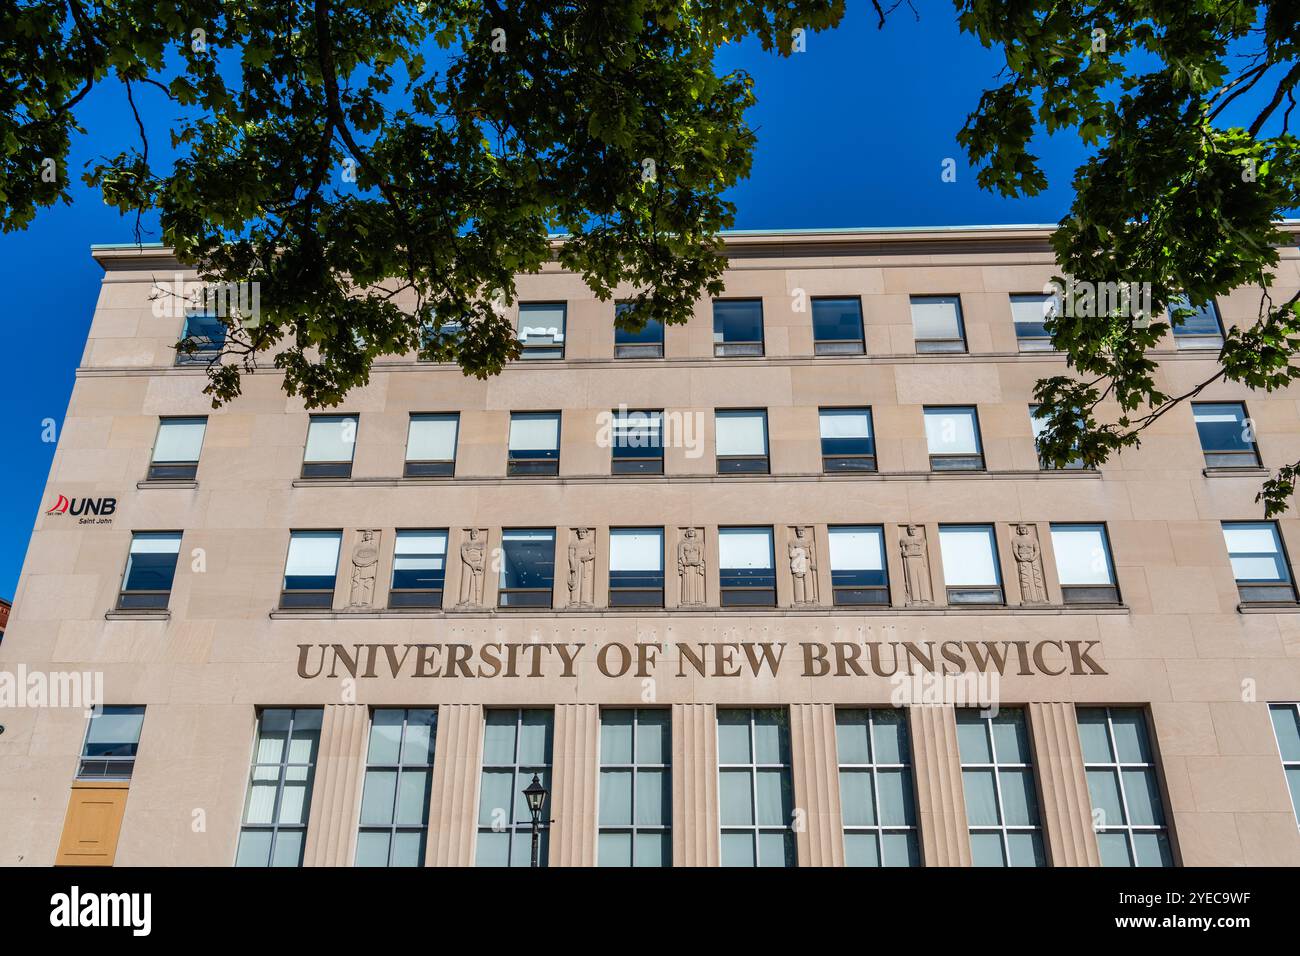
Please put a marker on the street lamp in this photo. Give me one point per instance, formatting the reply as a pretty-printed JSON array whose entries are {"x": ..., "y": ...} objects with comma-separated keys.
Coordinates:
[{"x": 535, "y": 795}]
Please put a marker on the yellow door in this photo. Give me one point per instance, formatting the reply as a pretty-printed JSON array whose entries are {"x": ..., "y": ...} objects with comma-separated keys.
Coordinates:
[{"x": 92, "y": 824}]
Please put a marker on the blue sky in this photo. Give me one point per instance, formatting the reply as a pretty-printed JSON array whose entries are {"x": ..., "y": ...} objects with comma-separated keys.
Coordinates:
[{"x": 852, "y": 132}]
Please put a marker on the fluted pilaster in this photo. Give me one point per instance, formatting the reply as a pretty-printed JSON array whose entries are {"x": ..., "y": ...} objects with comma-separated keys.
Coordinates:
[
  {"x": 816, "y": 784},
  {"x": 941, "y": 806},
  {"x": 336, "y": 790},
  {"x": 1067, "y": 808},
  {"x": 695, "y": 785},
  {"x": 453, "y": 810},
  {"x": 576, "y": 762}
]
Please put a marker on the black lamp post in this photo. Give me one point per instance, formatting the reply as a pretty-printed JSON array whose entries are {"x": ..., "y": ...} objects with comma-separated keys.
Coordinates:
[{"x": 535, "y": 794}]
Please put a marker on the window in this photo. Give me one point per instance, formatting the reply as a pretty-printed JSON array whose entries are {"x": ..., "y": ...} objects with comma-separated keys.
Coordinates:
[
  {"x": 419, "y": 569},
  {"x": 647, "y": 342},
  {"x": 534, "y": 444},
  {"x": 755, "y": 788},
  {"x": 1128, "y": 813},
  {"x": 1029, "y": 312},
  {"x": 858, "y": 574},
  {"x": 541, "y": 329},
  {"x": 937, "y": 324},
  {"x": 331, "y": 440},
  {"x": 1083, "y": 564},
  {"x": 176, "y": 449},
  {"x": 150, "y": 570},
  {"x": 636, "y": 805},
  {"x": 876, "y": 793},
  {"x": 279, "y": 788},
  {"x": 1202, "y": 329},
  {"x": 953, "y": 436},
  {"x": 1038, "y": 423},
  {"x": 516, "y": 745},
  {"x": 1226, "y": 435},
  {"x": 737, "y": 327},
  {"x": 970, "y": 564},
  {"x": 310, "y": 569},
  {"x": 1286, "y": 725},
  {"x": 527, "y": 567},
  {"x": 746, "y": 570},
  {"x": 202, "y": 340},
  {"x": 636, "y": 567},
  {"x": 431, "y": 445},
  {"x": 395, "y": 795},
  {"x": 837, "y": 327},
  {"x": 1259, "y": 562},
  {"x": 637, "y": 441},
  {"x": 997, "y": 774},
  {"x": 848, "y": 442},
  {"x": 112, "y": 739},
  {"x": 741, "y": 441}
]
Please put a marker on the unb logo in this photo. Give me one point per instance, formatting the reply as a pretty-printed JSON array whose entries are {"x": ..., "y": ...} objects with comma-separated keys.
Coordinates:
[{"x": 83, "y": 506}]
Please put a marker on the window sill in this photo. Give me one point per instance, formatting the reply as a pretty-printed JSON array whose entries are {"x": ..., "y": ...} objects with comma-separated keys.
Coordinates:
[
  {"x": 166, "y": 483},
  {"x": 878, "y": 610},
  {"x": 1281, "y": 607},
  {"x": 143, "y": 614},
  {"x": 1248, "y": 471}
]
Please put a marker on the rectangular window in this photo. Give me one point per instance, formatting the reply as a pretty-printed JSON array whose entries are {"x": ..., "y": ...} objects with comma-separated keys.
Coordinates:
[
  {"x": 755, "y": 788},
  {"x": 876, "y": 793},
  {"x": 112, "y": 739},
  {"x": 398, "y": 781},
  {"x": 274, "y": 830},
  {"x": 527, "y": 567},
  {"x": 741, "y": 441},
  {"x": 970, "y": 564},
  {"x": 636, "y": 567},
  {"x": 202, "y": 340},
  {"x": 937, "y": 324},
  {"x": 953, "y": 437},
  {"x": 848, "y": 440},
  {"x": 637, "y": 442},
  {"x": 858, "y": 570},
  {"x": 1226, "y": 435},
  {"x": 636, "y": 806},
  {"x": 1259, "y": 562},
  {"x": 541, "y": 329},
  {"x": 310, "y": 569},
  {"x": 176, "y": 449},
  {"x": 1038, "y": 422},
  {"x": 1200, "y": 328},
  {"x": 837, "y": 326},
  {"x": 746, "y": 569},
  {"x": 534, "y": 444},
  {"x": 1083, "y": 564},
  {"x": 1029, "y": 312},
  {"x": 516, "y": 746},
  {"x": 1127, "y": 810},
  {"x": 431, "y": 445},
  {"x": 1286, "y": 725},
  {"x": 997, "y": 772},
  {"x": 150, "y": 570},
  {"x": 646, "y": 342},
  {"x": 737, "y": 327},
  {"x": 419, "y": 569},
  {"x": 331, "y": 440}
]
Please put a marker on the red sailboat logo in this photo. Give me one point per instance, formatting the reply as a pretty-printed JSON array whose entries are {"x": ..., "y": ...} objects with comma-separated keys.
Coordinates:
[{"x": 60, "y": 507}]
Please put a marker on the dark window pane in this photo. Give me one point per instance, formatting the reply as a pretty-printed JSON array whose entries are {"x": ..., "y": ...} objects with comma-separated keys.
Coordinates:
[
  {"x": 837, "y": 319},
  {"x": 737, "y": 321}
]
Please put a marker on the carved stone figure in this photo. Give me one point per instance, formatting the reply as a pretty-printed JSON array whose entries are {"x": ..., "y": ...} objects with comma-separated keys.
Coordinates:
[
  {"x": 916, "y": 567},
  {"x": 473, "y": 552},
  {"x": 803, "y": 566},
  {"x": 582, "y": 568},
  {"x": 365, "y": 564},
  {"x": 1024, "y": 548},
  {"x": 690, "y": 567}
]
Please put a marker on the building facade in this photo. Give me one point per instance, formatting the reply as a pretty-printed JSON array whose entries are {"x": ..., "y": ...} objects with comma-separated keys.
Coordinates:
[{"x": 785, "y": 585}]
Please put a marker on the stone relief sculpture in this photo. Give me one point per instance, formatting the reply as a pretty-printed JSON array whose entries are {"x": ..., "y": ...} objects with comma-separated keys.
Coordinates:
[
  {"x": 1024, "y": 548},
  {"x": 365, "y": 565},
  {"x": 690, "y": 567},
  {"x": 803, "y": 565},
  {"x": 473, "y": 554},
  {"x": 916, "y": 567},
  {"x": 582, "y": 568}
]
